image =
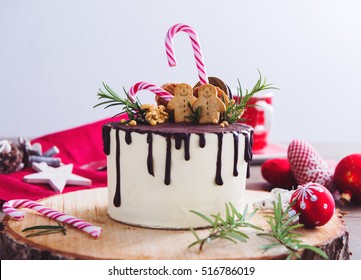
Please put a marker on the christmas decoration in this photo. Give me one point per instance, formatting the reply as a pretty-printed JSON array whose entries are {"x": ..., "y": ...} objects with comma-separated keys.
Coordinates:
[
  {"x": 347, "y": 178},
  {"x": 33, "y": 153},
  {"x": 276, "y": 195},
  {"x": 307, "y": 164},
  {"x": 314, "y": 204},
  {"x": 278, "y": 173},
  {"x": 57, "y": 178},
  {"x": 16, "y": 156},
  {"x": 10, "y": 157},
  {"x": 10, "y": 208},
  {"x": 283, "y": 232},
  {"x": 198, "y": 56}
]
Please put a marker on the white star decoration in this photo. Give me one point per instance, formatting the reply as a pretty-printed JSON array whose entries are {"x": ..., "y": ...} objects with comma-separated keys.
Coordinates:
[{"x": 57, "y": 178}]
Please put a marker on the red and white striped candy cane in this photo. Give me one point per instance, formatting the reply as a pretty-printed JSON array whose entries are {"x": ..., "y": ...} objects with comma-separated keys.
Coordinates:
[
  {"x": 151, "y": 87},
  {"x": 202, "y": 73},
  {"x": 10, "y": 206}
]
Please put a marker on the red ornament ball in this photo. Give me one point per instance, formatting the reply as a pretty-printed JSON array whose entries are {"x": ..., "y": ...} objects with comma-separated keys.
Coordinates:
[
  {"x": 278, "y": 173},
  {"x": 347, "y": 178},
  {"x": 314, "y": 203}
]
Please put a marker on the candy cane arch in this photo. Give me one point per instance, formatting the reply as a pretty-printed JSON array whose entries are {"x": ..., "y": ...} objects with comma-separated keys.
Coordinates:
[
  {"x": 151, "y": 87},
  {"x": 10, "y": 208},
  {"x": 202, "y": 73}
]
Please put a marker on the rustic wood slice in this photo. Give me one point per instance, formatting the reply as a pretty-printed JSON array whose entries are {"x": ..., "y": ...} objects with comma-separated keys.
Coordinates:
[{"x": 120, "y": 241}]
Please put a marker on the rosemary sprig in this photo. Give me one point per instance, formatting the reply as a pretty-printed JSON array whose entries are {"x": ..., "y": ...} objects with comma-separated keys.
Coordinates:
[
  {"x": 227, "y": 228},
  {"x": 195, "y": 113},
  {"x": 282, "y": 232},
  {"x": 132, "y": 108},
  {"x": 45, "y": 229},
  {"x": 235, "y": 109},
  {"x": 232, "y": 113}
]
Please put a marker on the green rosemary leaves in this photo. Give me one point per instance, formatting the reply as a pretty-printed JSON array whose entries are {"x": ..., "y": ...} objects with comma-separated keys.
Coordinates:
[
  {"x": 227, "y": 228},
  {"x": 45, "y": 229}
]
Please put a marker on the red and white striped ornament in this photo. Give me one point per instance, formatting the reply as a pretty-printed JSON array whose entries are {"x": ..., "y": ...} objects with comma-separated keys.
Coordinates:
[
  {"x": 151, "y": 87},
  {"x": 314, "y": 203},
  {"x": 307, "y": 165},
  {"x": 10, "y": 208},
  {"x": 201, "y": 68}
]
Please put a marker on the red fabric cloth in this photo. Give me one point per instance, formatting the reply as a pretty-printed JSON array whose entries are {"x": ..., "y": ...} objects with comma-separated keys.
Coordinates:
[{"x": 81, "y": 146}]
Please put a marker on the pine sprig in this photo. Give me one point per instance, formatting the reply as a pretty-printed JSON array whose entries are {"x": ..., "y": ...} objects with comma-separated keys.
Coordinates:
[
  {"x": 45, "y": 229},
  {"x": 232, "y": 113},
  {"x": 235, "y": 109},
  {"x": 195, "y": 113},
  {"x": 228, "y": 228},
  {"x": 282, "y": 232},
  {"x": 130, "y": 107}
]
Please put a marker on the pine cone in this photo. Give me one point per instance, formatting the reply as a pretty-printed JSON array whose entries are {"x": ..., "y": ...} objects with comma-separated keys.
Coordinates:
[{"x": 10, "y": 157}]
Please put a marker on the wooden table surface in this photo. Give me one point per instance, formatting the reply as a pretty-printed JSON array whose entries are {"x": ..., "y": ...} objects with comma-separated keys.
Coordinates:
[{"x": 328, "y": 151}]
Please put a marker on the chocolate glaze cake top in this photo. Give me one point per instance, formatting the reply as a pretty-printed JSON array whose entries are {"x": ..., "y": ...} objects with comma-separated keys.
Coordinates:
[
  {"x": 181, "y": 132},
  {"x": 173, "y": 128}
]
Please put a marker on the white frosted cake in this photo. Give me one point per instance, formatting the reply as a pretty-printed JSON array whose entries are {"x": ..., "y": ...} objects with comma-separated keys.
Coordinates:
[
  {"x": 172, "y": 163},
  {"x": 157, "y": 174}
]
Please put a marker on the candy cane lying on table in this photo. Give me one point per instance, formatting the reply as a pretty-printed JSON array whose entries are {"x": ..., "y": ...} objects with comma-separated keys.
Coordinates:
[
  {"x": 202, "y": 73},
  {"x": 10, "y": 206},
  {"x": 151, "y": 87}
]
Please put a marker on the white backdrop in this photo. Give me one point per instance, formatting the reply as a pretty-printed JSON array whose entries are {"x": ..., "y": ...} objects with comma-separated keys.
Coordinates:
[{"x": 54, "y": 56}]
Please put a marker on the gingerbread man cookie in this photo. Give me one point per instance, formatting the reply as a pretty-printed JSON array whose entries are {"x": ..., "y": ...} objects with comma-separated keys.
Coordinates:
[
  {"x": 210, "y": 104},
  {"x": 183, "y": 94}
]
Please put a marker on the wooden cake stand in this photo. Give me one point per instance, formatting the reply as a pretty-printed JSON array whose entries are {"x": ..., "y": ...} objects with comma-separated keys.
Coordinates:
[{"x": 120, "y": 241}]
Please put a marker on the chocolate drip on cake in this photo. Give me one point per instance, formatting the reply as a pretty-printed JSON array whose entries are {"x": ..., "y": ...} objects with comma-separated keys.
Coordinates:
[
  {"x": 168, "y": 160},
  {"x": 250, "y": 153},
  {"x": 178, "y": 141},
  {"x": 150, "y": 153},
  {"x": 179, "y": 137},
  {"x": 117, "y": 199},
  {"x": 248, "y": 150},
  {"x": 106, "y": 139},
  {"x": 202, "y": 140},
  {"x": 186, "y": 146},
  {"x": 128, "y": 137},
  {"x": 235, "y": 153},
  {"x": 219, "y": 180},
  {"x": 180, "y": 132}
]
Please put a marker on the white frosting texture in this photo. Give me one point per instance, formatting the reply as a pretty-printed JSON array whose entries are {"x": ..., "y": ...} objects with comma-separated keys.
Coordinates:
[{"x": 146, "y": 200}]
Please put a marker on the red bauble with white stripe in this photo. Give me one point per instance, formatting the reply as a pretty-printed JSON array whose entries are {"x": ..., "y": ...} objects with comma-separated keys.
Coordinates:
[{"x": 314, "y": 203}]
